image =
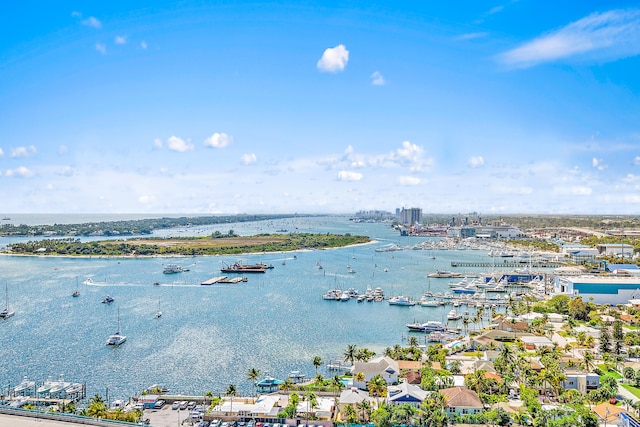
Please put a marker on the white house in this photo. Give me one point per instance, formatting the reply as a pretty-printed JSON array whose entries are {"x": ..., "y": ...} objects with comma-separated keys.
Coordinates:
[{"x": 384, "y": 366}]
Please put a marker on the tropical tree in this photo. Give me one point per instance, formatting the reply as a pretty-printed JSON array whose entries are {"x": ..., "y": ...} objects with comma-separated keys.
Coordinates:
[
  {"x": 287, "y": 385},
  {"x": 231, "y": 391},
  {"x": 365, "y": 408},
  {"x": 350, "y": 415},
  {"x": 413, "y": 342},
  {"x": 253, "y": 376},
  {"x": 588, "y": 360},
  {"x": 317, "y": 362},
  {"x": 377, "y": 387},
  {"x": 97, "y": 407},
  {"x": 350, "y": 353},
  {"x": 337, "y": 383},
  {"x": 359, "y": 377}
]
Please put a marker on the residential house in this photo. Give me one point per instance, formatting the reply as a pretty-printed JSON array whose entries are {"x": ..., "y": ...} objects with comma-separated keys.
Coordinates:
[
  {"x": 534, "y": 342},
  {"x": 405, "y": 393},
  {"x": 609, "y": 414},
  {"x": 353, "y": 396},
  {"x": 581, "y": 381},
  {"x": 384, "y": 366},
  {"x": 461, "y": 401}
]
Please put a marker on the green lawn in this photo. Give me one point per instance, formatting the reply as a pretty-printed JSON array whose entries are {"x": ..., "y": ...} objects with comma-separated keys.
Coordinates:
[
  {"x": 632, "y": 389},
  {"x": 613, "y": 374}
]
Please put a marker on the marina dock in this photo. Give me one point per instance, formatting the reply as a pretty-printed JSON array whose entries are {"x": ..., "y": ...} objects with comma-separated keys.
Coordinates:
[
  {"x": 223, "y": 279},
  {"x": 213, "y": 280},
  {"x": 510, "y": 264}
]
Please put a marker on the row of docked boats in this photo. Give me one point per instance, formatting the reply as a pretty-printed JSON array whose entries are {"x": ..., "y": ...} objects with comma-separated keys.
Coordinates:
[{"x": 370, "y": 295}]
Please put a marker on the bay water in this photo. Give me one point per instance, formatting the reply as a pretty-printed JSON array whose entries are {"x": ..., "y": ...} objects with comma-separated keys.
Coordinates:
[{"x": 209, "y": 336}]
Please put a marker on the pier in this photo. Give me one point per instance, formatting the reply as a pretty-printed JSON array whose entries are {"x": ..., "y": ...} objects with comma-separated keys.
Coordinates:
[
  {"x": 224, "y": 279},
  {"x": 213, "y": 280},
  {"x": 510, "y": 264}
]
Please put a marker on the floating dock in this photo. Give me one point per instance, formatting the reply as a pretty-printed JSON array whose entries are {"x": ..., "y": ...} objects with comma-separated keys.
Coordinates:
[
  {"x": 510, "y": 264},
  {"x": 213, "y": 280},
  {"x": 223, "y": 279}
]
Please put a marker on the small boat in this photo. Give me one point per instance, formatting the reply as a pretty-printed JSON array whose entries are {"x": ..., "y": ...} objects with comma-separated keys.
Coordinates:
[
  {"x": 401, "y": 300},
  {"x": 6, "y": 218},
  {"x": 453, "y": 315},
  {"x": 46, "y": 386},
  {"x": 444, "y": 274},
  {"x": 76, "y": 293},
  {"x": 117, "y": 338},
  {"x": 108, "y": 300},
  {"x": 6, "y": 313},
  {"x": 158, "y": 313},
  {"x": 173, "y": 268}
]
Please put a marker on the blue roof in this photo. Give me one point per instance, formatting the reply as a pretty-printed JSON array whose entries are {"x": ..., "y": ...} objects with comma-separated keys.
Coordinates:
[{"x": 612, "y": 267}]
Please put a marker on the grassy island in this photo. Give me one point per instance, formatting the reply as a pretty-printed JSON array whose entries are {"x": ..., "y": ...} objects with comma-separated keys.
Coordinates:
[{"x": 216, "y": 244}]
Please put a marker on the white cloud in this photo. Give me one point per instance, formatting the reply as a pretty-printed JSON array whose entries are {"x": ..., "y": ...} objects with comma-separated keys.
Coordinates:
[
  {"x": 576, "y": 190},
  {"x": 65, "y": 171},
  {"x": 512, "y": 190},
  {"x": 636, "y": 161},
  {"x": 157, "y": 144},
  {"x": 19, "y": 172},
  {"x": 143, "y": 44},
  {"x": 92, "y": 22},
  {"x": 101, "y": 47},
  {"x": 349, "y": 176},
  {"x": 1, "y": 152},
  {"x": 377, "y": 79},
  {"x": 408, "y": 180},
  {"x": 607, "y": 36},
  {"x": 23, "y": 152},
  {"x": 248, "y": 159},
  {"x": 62, "y": 150},
  {"x": 146, "y": 199},
  {"x": 471, "y": 36},
  {"x": 495, "y": 10},
  {"x": 598, "y": 164},
  {"x": 476, "y": 161},
  {"x": 218, "y": 140},
  {"x": 120, "y": 40},
  {"x": 178, "y": 144},
  {"x": 334, "y": 59}
]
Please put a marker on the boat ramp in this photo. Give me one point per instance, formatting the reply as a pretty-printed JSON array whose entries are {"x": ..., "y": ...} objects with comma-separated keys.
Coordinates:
[{"x": 223, "y": 279}]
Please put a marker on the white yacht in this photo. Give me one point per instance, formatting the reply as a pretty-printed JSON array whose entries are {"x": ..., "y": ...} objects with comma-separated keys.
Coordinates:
[
  {"x": 453, "y": 315},
  {"x": 401, "y": 300}
]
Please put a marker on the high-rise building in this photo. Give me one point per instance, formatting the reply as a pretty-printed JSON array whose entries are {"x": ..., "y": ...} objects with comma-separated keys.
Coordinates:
[{"x": 411, "y": 216}]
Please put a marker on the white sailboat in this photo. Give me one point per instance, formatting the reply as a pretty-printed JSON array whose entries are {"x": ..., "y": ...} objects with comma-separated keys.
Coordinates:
[
  {"x": 76, "y": 293},
  {"x": 117, "y": 338},
  {"x": 158, "y": 313},
  {"x": 6, "y": 313}
]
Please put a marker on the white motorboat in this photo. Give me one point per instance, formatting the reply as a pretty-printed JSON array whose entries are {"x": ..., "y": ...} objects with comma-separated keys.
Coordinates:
[
  {"x": 24, "y": 385},
  {"x": 453, "y": 315},
  {"x": 401, "y": 300}
]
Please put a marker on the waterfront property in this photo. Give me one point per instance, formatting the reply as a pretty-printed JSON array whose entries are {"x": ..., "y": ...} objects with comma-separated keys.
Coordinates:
[
  {"x": 601, "y": 290},
  {"x": 384, "y": 366}
]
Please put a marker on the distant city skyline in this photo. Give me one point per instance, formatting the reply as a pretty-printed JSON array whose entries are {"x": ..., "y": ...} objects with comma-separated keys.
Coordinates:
[{"x": 320, "y": 107}]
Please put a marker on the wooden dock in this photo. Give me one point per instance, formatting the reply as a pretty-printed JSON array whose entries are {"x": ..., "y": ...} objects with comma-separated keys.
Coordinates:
[
  {"x": 213, "y": 280},
  {"x": 223, "y": 279}
]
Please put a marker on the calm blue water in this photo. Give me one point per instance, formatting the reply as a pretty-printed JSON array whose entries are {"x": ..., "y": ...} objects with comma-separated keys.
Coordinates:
[{"x": 209, "y": 336}]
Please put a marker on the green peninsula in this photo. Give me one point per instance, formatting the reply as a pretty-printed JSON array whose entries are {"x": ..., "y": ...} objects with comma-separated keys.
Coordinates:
[{"x": 216, "y": 244}]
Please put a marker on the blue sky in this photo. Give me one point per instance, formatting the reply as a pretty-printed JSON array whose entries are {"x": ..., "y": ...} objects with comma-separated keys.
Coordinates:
[{"x": 312, "y": 107}]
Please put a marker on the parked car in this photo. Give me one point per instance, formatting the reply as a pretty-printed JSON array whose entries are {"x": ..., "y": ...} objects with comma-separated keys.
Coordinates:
[
  {"x": 191, "y": 405},
  {"x": 159, "y": 404},
  {"x": 175, "y": 405},
  {"x": 183, "y": 404}
]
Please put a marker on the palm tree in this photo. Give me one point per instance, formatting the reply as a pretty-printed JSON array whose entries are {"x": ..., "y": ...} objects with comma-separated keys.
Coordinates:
[
  {"x": 365, "y": 407},
  {"x": 413, "y": 342},
  {"x": 359, "y": 377},
  {"x": 350, "y": 353},
  {"x": 465, "y": 323},
  {"x": 588, "y": 361},
  {"x": 377, "y": 386},
  {"x": 317, "y": 362},
  {"x": 319, "y": 380},
  {"x": 337, "y": 383},
  {"x": 231, "y": 391},
  {"x": 97, "y": 407},
  {"x": 253, "y": 376},
  {"x": 312, "y": 402},
  {"x": 287, "y": 385}
]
